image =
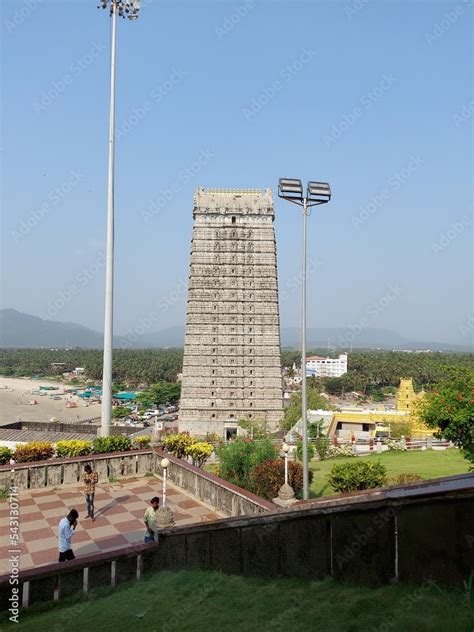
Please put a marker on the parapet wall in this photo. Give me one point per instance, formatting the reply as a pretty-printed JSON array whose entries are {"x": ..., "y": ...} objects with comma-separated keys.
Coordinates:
[{"x": 418, "y": 534}]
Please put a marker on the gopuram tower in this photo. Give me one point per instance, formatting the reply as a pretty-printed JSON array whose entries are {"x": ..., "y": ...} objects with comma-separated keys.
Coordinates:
[{"x": 231, "y": 365}]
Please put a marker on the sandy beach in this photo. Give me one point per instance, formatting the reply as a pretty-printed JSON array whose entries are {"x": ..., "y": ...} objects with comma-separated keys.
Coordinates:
[{"x": 15, "y": 397}]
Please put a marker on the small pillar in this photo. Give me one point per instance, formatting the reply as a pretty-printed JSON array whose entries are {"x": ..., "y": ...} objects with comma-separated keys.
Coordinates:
[
  {"x": 379, "y": 446},
  {"x": 429, "y": 443},
  {"x": 286, "y": 496}
]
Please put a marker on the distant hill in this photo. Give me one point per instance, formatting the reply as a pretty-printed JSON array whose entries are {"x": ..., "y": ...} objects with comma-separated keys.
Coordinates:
[{"x": 22, "y": 330}]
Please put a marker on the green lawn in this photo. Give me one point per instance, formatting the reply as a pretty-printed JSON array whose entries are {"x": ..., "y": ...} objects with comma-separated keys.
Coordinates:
[
  {"x": 196, "y": 601},
  {"x": 428, "y": 464}
]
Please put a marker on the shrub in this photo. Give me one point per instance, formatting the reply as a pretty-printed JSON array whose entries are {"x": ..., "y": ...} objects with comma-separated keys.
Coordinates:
[
  {"x": 335, "y": 451},
  {"x": 5, "y": 455},
  {"x": 114, "y": 443},
  {"x": 177, "y": 444},
  {"x": 321, "y": 446},
  {"x": 34, "y": 451},
  {"x": 403, "y": 479},
  {"x": 299, "y": 450},
  {"x": 200, "y": 452},
  {"x": 142, "y": 441},
  {"x": 240, "y": 457},
  {"x": 352, "y": 477},
  {"x": 396, "y": 445},
  {"x": 73, "y": 448},
  {"x": 269, "y": 476}
]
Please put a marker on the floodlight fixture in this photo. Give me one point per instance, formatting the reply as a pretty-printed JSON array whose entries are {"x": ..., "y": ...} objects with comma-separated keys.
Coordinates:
[
  {"x": 290, "y": 189},
  {"x": 318, "y": 192}
]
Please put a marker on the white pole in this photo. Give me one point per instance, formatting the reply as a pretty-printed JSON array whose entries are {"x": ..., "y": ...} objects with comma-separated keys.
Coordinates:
[
  {"x": 109, "y": 274},
  {"x": 165, "y": 474},
  {"x": 286, "y": 468},
  {"x": 304, "y": 404}
]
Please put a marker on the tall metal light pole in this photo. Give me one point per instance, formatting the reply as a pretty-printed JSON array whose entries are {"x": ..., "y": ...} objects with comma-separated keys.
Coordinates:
[
  {"x": 122, "y": 8},
  {"x": 317, "y": 193}
]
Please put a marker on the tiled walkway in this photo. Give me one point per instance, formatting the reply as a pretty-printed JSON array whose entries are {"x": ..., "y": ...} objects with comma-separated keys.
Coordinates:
[{"x": 119, "y": 518}]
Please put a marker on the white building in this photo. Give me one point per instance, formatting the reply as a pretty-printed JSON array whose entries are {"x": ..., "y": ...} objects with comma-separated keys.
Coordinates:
[{"x": 326, "y": 367}]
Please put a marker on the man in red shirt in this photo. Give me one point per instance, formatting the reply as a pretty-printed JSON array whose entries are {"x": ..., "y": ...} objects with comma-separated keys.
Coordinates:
[{"x": 90, "y": 480}]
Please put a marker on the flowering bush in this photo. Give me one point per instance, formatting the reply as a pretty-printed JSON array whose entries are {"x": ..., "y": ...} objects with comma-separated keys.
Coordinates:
[
  {"x": 114, "y": 443},
  {"x": 73, "y": 448},
  {"x": 199, "y": 452},
  {"x": 397, "y": 445},
  {"x": 178, "y": 444},
  {"x": 351, "y": 477},
  {"x": 269, "y": 476},
  {"x": 142, "y": 441},
  {"x": 5, "y": 455},
  {"x": 339, "y": 450},
  {"x": 34, "y": 451}
]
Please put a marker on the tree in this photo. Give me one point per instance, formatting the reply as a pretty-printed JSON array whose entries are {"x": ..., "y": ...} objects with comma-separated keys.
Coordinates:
[
  {"x": 293, "y": 413},
  {"x": 119, "y": 412},
  {"x": 449, "y": 408},
  {"x": 160, "y": 393},
  {"x": 256, "y": 428}
]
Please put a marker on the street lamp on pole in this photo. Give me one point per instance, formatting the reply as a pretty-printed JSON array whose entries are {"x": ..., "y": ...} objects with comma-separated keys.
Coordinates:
[
  {"x": 122, "y": 8},
  {"x": 316, "y": 193}
]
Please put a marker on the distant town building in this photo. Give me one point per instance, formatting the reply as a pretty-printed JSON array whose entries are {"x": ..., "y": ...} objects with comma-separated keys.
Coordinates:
[
  {"x": 231, "y": 364},
  {"x": 326, "y": 367}
]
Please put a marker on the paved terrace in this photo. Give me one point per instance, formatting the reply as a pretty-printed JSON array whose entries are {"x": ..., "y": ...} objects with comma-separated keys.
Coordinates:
[
  {"x": 16, "y": 435},
  {"x": 119, "y": 518}
]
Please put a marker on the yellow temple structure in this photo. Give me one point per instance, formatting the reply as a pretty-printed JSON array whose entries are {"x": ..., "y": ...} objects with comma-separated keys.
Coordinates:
[{"x": 367, "y": 424}]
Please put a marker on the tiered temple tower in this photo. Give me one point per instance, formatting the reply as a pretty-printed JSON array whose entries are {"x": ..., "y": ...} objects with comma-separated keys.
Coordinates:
[{"x": 231, "y": 366}]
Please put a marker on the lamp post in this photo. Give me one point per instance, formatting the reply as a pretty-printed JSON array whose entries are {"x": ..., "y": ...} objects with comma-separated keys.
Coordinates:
[
  {"x": 165, "y": 464},
  {"x": 286, "y": 448},
  {"x": 164, "y": 515},
  {"x": 122, "y": 8},
  {"x": 316, "y": 193}
]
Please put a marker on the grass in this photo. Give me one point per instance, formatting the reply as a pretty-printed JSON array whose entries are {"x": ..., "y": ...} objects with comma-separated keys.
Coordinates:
[
  {"x": 427, "y": 464},
  {"x": 201, "y": 601}
]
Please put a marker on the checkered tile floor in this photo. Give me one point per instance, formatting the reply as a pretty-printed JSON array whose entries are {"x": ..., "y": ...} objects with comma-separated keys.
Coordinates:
[{"x": 119, "y": 511}]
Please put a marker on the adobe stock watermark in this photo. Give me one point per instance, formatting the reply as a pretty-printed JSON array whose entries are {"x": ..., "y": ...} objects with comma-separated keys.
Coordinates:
[
  {"x": 365, "y": 103},
  {"x": 80, "y": 281},
  {"x": 155, "y": 97},
  {"x": 467, "y": 327},
  {"x": 355, "y": 7},
  {"x": 53, "y": 199},
  {"x": 393, "y": 185},
  {"x": 444, "y": 24},
  {"x": 296, "y": 280},
  {"x": 370, "y": 315},
  {"x": 58, "y": 87},
  {"x": 456, "y": 229},
  {"x": 161, "y": 306},
  {"x": 285, "y": 75},
  {"x": 464, "y": 114},
  {"x": 14, "y": 551},
  {"x": 184, "y": 177},
  {"x": 22, "y": 14},
  {"x": 231, "y": 21}
]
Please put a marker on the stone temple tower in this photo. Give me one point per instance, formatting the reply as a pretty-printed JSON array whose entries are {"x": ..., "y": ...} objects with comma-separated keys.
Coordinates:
[{"x": 231, "y": 365}]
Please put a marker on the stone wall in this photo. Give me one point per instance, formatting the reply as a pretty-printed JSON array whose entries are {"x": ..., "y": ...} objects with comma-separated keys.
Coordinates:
[
  {"x": 70, "y": 471},
  {"x": 420, "y": 535}
]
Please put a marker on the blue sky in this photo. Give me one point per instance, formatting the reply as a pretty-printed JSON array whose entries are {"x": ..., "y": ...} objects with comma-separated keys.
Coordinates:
[{"x": 374, "y": 97}]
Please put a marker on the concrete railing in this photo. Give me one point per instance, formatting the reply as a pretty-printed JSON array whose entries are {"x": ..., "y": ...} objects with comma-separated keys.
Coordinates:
[
  {"x": 82, "y": 426},
  {"x": 55, "y": 472},
  {"x": 412, "y": 534},
  {"x": 215, "y": 491}
]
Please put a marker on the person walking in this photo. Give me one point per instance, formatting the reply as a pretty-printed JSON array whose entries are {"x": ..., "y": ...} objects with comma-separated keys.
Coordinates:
[
  {"x": 66, "y": 529},
  {"x": 90, "y": 480},
  {"x": 150, "y": 520}
]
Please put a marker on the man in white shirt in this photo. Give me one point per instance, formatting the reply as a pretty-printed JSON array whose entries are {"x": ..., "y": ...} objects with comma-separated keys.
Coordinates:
[{"x": 66, "y": 530}]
